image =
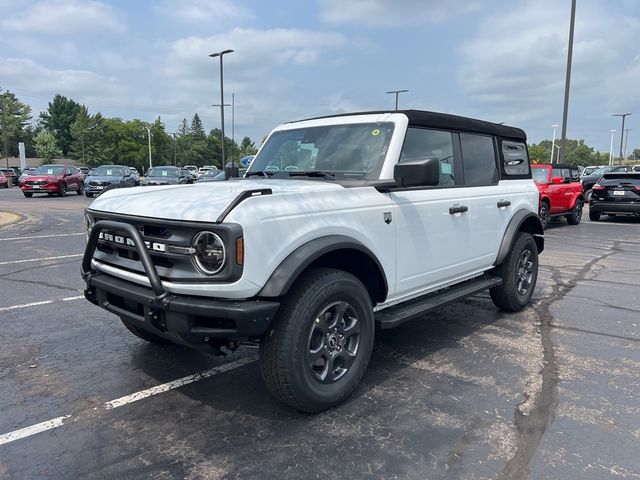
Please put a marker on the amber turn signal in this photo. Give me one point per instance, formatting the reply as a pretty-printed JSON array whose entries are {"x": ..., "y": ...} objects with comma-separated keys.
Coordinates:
[{"x": 240, "y": 251}]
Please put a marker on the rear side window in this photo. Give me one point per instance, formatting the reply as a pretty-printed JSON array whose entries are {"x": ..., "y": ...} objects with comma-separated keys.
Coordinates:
[
  {"x": 478, "y": 159},
  {"x": 515, "y": 158},
  {"x": 427, "y": 143},
  {"x": 575, "y": 175}
]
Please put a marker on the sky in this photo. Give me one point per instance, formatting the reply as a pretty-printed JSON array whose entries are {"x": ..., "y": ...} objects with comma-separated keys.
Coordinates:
[{"x": 497, "y": 60}]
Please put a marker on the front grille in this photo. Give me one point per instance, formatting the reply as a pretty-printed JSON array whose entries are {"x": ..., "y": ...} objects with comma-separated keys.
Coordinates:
[
  {"x": 98, "y": 184},
  {"x": 36, "y": 182}
]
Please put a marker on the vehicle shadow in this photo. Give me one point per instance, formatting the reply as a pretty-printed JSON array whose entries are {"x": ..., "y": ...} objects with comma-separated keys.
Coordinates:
[{"x": 242, "y": 390}]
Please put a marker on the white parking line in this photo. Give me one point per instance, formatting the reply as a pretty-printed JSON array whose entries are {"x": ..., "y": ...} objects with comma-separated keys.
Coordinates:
[
  {"x": 42, "y": 236},
  {"x": 44, "y": 302},
  {"x": 32, "y": 430},
  {"x": 41, "y": 259},
  {"x": 134, "y": 397}
]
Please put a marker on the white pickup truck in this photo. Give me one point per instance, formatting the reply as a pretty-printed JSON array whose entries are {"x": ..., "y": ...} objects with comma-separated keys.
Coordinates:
[{"x": 341, "y": 225}]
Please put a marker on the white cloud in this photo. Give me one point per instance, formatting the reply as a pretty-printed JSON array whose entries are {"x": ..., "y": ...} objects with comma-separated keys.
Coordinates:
[
  {"x": 68, "y": 17},
  {"x": 513, "y": 69},
  {"x": 384, "y": 13},
  {"x": 33, "y": 78},
  {"x": 203, "y": 11}
]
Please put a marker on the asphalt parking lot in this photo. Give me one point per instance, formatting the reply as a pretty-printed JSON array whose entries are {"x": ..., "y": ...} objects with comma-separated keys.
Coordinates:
[{"x": 467, "y": 392}]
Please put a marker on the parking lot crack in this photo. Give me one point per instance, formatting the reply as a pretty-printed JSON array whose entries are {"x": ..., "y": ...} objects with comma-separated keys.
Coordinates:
[{"x": 532, "y": 425}]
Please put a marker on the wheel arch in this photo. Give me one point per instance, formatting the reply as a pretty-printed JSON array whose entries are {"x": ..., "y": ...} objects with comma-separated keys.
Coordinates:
[
  {"x": 334, "y": 251},
  {"x": 522, "y": 221}
]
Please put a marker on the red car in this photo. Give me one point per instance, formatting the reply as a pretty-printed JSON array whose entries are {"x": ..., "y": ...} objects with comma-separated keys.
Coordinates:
[
  {"x": 54, "y": 179},
  {"x": 561, "y": 192},
  {"x": 4, "y": 183}
]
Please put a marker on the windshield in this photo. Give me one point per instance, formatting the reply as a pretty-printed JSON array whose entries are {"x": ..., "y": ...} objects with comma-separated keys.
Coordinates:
[
  {"x": 163, "y": 172},
  {"x": 600, "y": 171},
  {"x": 539, "y": 175},
  {"x": 50, "y": 170},
  {"x": 108, "y": 172},
  {"x": 350, "y": 152}
]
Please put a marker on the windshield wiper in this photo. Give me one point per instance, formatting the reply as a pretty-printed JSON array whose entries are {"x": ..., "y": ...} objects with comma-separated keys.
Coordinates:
[
  {"x": 261, "y": 173},
  {"x": 314, "y": 173}
]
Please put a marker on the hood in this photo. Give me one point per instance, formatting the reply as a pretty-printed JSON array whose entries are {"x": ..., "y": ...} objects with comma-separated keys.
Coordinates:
[
  {"x": 103, "y": 178},
  {"x": 200, "y": 202},
  {"x": 49, "y": 178}
]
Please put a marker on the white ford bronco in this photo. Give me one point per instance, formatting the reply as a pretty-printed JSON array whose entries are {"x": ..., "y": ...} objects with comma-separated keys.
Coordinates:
[{"x": 341, "y": 225}]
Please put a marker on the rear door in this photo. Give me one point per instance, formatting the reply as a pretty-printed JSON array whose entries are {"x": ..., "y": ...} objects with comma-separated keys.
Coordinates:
[{"x": 489, "y": 200}]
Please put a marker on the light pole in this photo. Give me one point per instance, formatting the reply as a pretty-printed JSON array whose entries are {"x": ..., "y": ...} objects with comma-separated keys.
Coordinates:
[
  {"x": 175, "y": 160},
  {"x": 226, "y": 105},
  {"x": 567, "y": 83},
  {"x": 213, "y": 55},
  {"x": 233, "y": 117},
  {"x": 623, "y": 115},
  {"x": 553, "y": 142},
  {"x": 611, "y": 148},
  {"x": 397, "y": 92},
  {"x": 149, "y": 140},
  {"x": 558, "y": 155},
  {"x": 626, "y": 137}
]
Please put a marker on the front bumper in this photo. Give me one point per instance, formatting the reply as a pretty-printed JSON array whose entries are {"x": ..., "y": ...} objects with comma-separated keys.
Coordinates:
[
  {"x": 50, "y": 188},
  {"x": 184, "y": 319},
  {"x": 187, "y": 320},
  {"x": 628, "y": 208}
]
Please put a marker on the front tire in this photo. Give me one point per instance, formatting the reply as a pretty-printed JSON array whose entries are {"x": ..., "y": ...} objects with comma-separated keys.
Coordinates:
[
  {"x": 576, "y": 214},
  {"x": 80, "y": 190},
  {"x": 544, "y": 214},
  {"x": 587, "y": 195},
  {"x": 89, "y": 195},
  {"x": 319, "y": 346},
  {"x": 28, "y": 194},
  {"x": 62, "y": 190},
  {"x": 519, "y": 273}
]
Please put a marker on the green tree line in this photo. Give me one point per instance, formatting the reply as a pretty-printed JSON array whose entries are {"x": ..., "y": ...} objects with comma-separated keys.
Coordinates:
[
  {"x": 577, "y": 152},
  {"x": 68, "y": 130}
]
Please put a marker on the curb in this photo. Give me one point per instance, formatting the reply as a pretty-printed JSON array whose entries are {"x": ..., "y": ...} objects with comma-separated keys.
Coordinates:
[{"x": 9, "y": 218}]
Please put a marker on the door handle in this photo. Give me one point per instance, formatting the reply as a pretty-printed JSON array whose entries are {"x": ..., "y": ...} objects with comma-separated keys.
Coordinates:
[
  {"x": 504, "y": 203},
  {"x": 458, "y": 209}
]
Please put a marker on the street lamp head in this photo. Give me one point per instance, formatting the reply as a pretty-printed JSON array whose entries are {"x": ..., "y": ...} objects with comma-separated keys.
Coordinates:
[
  {"x": 620, "y": 114},
  {"x": 398, "y": 91},
  {"x": 611, "y": 131},
  {"x": 555, "y": 125},
  {"x": 219, "y": 54}
]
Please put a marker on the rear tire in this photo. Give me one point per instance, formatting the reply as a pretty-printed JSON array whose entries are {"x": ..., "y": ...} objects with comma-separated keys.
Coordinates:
[
  {"x": 519, "y": 273},
  {"x": 576, "y": 215},
  {"x": 143, "y": 334},
  {"x": 594, "y": 216},
  {"x": 28, "y": 194},
  {"x": 320, "y": 343}
]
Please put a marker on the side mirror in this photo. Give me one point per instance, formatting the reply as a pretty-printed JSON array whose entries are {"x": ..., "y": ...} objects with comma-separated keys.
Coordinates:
[
  {"x": 421, "y": 171},
  {"x": 557, "y": 180}
]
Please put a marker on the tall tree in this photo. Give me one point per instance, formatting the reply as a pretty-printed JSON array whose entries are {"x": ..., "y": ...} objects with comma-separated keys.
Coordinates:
[
  {"x": 58, "y": 118},
  {"x": 14, "y": 116},
  {"x": 46, "y": 146},
  {"x": 184, "y": 127},
  {"x": 197, "y": 130}
]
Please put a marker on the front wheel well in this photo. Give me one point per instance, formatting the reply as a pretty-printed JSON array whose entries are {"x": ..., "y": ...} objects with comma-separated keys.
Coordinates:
[{"x": 358, "y": 264}]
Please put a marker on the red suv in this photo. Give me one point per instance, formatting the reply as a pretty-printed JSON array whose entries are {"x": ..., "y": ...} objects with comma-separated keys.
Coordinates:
[
  {"x": 54, "y": 179},
  {"x": 561, "y": 192}
]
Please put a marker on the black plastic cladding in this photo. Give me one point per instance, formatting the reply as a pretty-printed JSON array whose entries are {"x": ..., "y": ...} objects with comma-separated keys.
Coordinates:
[{"x": 180, "y": 233}]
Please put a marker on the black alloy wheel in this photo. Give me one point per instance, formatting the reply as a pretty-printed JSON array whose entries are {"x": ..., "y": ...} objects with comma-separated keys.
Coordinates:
[
  {"x": 576, "y": 214},
  {"x": 544, "y": 214},
  {"x": 62, "y": 190}
]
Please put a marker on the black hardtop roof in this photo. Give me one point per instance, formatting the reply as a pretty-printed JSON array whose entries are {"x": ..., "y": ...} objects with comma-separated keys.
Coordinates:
[{"x": 423, "y": 118}]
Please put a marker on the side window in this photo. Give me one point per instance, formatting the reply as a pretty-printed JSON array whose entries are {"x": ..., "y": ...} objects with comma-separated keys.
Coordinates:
[
  {"x": 566, "y": 174},
  {"x": 479, "y": 160},
  {"x": 69, "y": 171},
  {"x": 556, "y": 172},
  {"x": 575, "y": 175},
  {"x": 426, "y": 143},
  {"x": 516, "y": 161}
]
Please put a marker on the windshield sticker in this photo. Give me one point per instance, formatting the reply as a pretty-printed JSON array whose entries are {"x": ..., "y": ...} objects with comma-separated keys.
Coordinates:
[
  {"x": 164, "y": 173},
  {"x": 375, "y": 132},
  {"x": 109, "y": 172},
  {"x": 49, "y": 171}
]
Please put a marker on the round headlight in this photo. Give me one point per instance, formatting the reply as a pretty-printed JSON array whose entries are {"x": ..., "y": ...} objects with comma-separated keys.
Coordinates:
[{"x": 210, "y": 253}]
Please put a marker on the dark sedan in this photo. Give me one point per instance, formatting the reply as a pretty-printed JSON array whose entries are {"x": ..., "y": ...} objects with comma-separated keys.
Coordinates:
[
  {"x": 615, "y": 194},
  {"x": 590, "y": 180},
  {"x": 165, "y": 176},
  {"x": 112, "y": 176}
]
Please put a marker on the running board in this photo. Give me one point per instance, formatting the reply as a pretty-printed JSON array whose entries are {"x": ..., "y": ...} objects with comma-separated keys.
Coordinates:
[{"x": 393, "y": 316}]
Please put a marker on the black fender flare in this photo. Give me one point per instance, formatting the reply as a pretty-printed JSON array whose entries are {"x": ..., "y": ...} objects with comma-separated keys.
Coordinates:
[
  {"x": 524, "y": 220},
  {"x": 297, "y": 261}
]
